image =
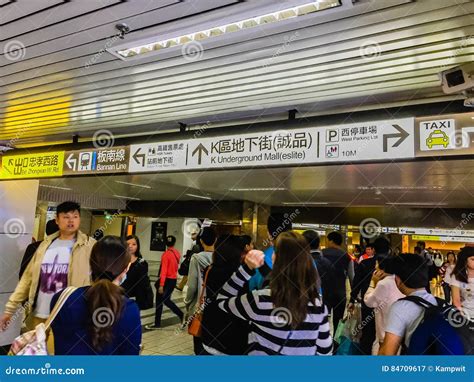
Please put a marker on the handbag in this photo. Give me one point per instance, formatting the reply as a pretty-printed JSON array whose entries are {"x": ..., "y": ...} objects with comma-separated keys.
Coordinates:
[
  {"x": 195, "y": 323},
  {"x": 34, "y": 341},
  {"x": 184, "y": 266}
]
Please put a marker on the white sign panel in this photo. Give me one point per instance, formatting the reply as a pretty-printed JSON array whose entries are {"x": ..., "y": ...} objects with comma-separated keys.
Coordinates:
[
  {"x": 369, "y": 141},
  {"x": 435, "y": 232},
  {"x": 353, "y": 142},
  {"x": 438, "y": 135}
]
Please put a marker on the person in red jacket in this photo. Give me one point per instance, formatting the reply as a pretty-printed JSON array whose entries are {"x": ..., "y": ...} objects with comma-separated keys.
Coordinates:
[{"x": 166, "y": 283}]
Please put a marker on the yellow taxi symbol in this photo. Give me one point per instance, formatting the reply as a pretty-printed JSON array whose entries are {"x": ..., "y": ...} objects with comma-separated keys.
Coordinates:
[{"x": 437, "y": 138}]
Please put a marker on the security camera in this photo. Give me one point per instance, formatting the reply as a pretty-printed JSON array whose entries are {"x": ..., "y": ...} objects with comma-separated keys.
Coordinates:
[
  {"x": 123, "y": 29},
  {"x": 458, "y": 79}
]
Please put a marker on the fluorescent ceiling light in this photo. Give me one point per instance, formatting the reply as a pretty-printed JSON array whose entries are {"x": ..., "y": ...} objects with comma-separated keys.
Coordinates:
[
  {"x": 56, "y": 187},
  {"x": 134, "y": 184},
  {"x": 248, "y": 23},
  {"x": 200, "y": 196},
  {"x": 126, "y": 197},
  {"x": 258, "y": 189},
  {"x": 415, "y": 204},
  {"x": 305, "y": 203}
]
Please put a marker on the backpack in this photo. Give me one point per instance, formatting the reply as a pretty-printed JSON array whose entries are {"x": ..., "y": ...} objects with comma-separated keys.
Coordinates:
[
  {"x": 183, "y": 269},
  {"x": 437, "y": 333}
]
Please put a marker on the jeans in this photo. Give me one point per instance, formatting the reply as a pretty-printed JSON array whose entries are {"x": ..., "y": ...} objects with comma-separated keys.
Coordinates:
[{"x": 165, "y": 299}]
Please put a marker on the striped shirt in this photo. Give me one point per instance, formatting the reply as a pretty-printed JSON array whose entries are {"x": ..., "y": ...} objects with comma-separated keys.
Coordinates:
[{"x": 269, "y": 334}]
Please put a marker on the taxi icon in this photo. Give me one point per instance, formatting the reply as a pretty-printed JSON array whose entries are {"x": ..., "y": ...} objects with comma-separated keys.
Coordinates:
[{"x": 437, "y": 138}]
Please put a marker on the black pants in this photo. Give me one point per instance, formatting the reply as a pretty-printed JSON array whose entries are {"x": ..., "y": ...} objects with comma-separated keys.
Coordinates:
[
  {"x": 338, "y": 307},
  {"x": 367, "y": 338},
  {"x": 165, "y": 299},
  {"x": 198, "y": 348},
  {"x": 447, "y": 292}
]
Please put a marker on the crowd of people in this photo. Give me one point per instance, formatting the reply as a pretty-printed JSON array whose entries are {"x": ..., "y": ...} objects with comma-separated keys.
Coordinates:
[{"x": 291, "y": 299}]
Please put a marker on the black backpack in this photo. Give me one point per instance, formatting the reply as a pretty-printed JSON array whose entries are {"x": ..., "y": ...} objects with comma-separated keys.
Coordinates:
[{"x": 437, "y": 334}]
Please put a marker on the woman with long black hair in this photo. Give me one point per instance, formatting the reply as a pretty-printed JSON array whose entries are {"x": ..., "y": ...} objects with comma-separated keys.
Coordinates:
[
  {"x": 137, "y": 284},
  {"x": 99, "y": 319}
]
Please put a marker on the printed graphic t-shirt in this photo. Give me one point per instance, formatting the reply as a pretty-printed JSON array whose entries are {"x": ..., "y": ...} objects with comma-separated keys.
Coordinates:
[{"x": 53, "y": 275}]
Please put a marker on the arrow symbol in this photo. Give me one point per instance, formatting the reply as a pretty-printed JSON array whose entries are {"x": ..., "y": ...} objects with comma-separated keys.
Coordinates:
[
  {"x": 402, "y": 135},
  {"x": 137, "y": 156},
  {"x": 71, "y": 162},
  {"x": 200, "y": 149}
]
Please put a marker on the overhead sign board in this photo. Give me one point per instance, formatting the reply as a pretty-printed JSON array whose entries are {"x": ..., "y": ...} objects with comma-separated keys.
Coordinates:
[
  {"x": 435, "y": 232},
  {"x": 445, "y": 135},
  {"x": 352, "y": 142},
  {"x": 445, "y": 239},
  {"x": 38, "y": 165},
  {"x": 96, "y": 161}
]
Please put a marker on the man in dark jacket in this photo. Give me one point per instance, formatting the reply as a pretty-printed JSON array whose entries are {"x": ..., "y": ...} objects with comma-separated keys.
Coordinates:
[
  {"x": 323, "y": 265},
  {"x": 340, "y": 261},
  {"x": 363, "y": 274},
  {"x": 51, "y": 227}
]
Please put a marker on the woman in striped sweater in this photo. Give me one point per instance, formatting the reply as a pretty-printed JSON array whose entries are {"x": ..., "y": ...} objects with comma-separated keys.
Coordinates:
[{"x": 288, "y": 318}]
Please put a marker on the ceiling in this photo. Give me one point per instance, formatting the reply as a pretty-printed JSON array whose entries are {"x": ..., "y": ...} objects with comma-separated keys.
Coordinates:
[
  {"x": 58, "y": 80},
  {"x": 431, "y": 183}
]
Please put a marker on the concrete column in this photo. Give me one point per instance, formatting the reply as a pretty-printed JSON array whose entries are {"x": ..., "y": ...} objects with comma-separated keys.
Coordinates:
[{"x": 17, "y": 219}]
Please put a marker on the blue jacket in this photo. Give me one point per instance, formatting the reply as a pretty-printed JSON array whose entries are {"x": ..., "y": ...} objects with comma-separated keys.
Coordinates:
[{"x": 71, "y": 336}]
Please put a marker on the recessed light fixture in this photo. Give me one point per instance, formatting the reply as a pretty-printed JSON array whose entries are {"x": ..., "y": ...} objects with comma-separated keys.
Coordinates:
[
  {"x": 258, "y": 189},
  {"x": 199, "y": 196},
  {"x": 56, "y": 187},
  {"x": 134, "y": 184},
  {"x": 126, "y": 197},
  {"x": 157, "y": 44},
  {"x": 305, "y": 203}
]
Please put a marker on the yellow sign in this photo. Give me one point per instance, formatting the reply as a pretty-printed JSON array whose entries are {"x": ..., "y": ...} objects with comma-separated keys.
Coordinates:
[
  {"x": 39, "y": 165},
  {"x": 426, "y": 238}
]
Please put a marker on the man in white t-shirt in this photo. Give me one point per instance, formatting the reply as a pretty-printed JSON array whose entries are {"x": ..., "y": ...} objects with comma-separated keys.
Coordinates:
[
  {"x": 411, "y": 276},
  {"x": 60, "y": 261}
]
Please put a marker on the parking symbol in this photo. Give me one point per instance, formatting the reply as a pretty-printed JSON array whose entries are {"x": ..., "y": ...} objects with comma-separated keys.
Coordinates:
[
  {"x": 332, "y": 136},
  {"x": 332, "y": 151}
]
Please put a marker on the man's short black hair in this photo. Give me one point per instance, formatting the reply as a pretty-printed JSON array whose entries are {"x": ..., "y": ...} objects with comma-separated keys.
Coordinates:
[
  {"x": 312, "y": 237},
  {"x": 381, "y": 245},
  {"x": 170, "y": 240},
  {"x": 278, "y": 223},
  {"x": 421, "y": 244},
  {"x": 69, "y": 206},
  {"x": 412, "y": 270},
  {"x": 208, "y": 236},
  {"x": 386, "y": 264},
  {"x": 370, "y": 245},
  {"x": 335, "y": 237}
]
